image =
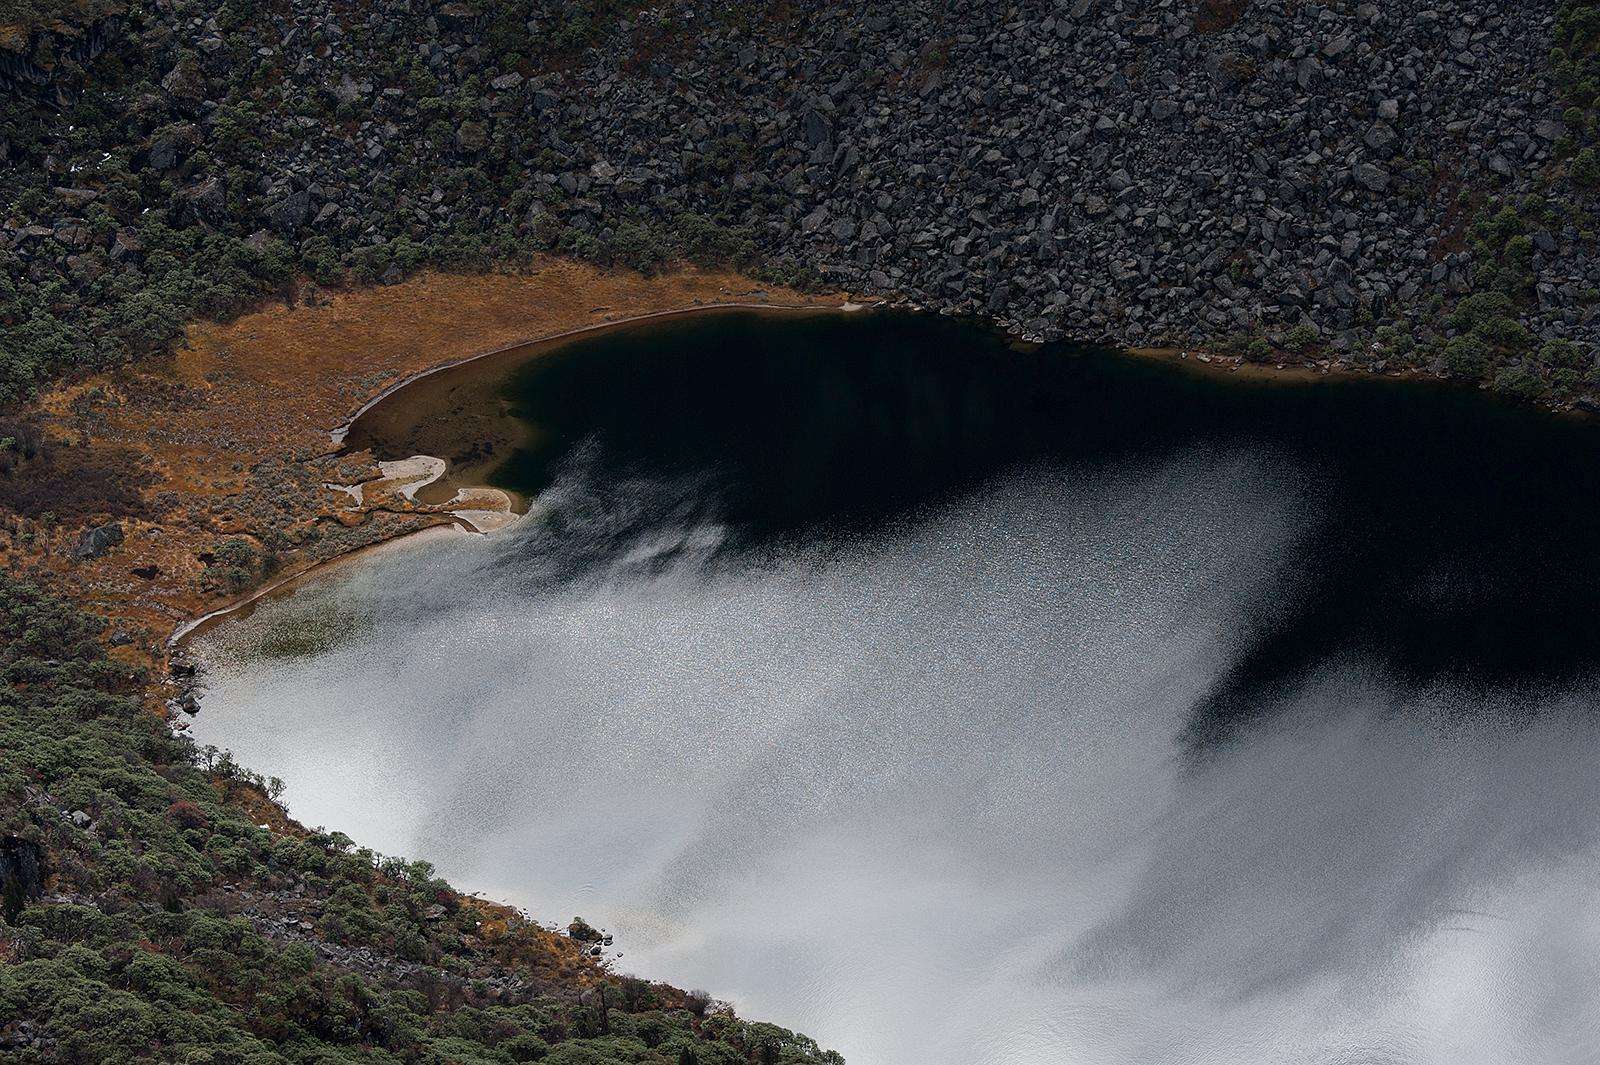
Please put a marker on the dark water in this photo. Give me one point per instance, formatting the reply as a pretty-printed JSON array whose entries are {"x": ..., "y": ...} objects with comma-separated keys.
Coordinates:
[
  {"x": 960, "y": 704},
  {"x": 1456, "y": 537}
]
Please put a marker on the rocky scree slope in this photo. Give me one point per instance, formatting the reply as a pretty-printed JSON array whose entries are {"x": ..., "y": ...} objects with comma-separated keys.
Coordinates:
[{"x": 1380, "y": 184}]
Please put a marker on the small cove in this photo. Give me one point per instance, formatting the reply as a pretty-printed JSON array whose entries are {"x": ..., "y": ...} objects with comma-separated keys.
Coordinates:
[{"x": 957, "y": 703}]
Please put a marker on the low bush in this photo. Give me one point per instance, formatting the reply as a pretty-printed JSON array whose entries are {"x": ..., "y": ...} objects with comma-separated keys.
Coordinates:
[
  {"x": 1468, "y": 358},
  {"x": 1562, "y": 353},
  {"x": 1520, "y": 382},
  {"x": 1301, "y": 338},
  {"x": 1479, "y": 309}
]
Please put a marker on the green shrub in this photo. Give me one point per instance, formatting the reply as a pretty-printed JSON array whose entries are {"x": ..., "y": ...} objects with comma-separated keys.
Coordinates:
[
  {"x": 1467, "y": 357},
  {"x": 1480, "y": 308},
  {"x": 1561, "y": 353},
  {"x": 1506, "y": 333},
  {"x": 321, "y": 260},
  {"x": 1499, "y": 228},
  {"x": 1584, "y": 169},
  {"x": 1396, "y": 341},
  {"x": 1520, "y": 382},
  {"x": 1301, "y": 338},
  {"x": 638, "y": 246}
]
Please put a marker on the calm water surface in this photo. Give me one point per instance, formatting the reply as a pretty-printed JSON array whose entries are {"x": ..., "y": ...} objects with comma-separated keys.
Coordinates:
[{"x": 962, "y": 705}]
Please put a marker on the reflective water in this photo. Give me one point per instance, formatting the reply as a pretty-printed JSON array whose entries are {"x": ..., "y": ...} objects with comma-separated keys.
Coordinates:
[{"x": 961, "y": 705}]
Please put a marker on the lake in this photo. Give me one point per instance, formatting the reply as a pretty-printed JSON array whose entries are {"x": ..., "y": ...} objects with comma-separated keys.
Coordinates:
[{"x": 959, "y": 703}]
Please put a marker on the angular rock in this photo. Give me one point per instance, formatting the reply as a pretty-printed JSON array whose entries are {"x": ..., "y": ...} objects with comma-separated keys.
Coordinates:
[
  {"x": 98, "y": 542},
  {"x": 1371, "y": 177}
]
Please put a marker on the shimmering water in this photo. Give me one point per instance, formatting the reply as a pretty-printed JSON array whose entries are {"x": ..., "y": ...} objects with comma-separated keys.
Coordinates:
[{"x": 961, "y": 705}]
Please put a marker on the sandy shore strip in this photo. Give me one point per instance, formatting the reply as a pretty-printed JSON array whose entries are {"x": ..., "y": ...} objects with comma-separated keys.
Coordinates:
[
  {"x": 242, "y": 606},
  {"x": 338, "y": 435}
]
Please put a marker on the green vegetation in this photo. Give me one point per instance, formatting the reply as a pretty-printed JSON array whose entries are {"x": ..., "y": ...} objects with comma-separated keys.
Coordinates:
[
  {"x": 142, "y": 190},
  {"x": 1575, "y": 63},
  {"x": 30, "y": 13},
  {"x": 1481, "y": 338},
  {"x": 176, "y": 928},
  {"x": 1301, "y": 338},
  {"x": 237, "y": 564},
  {"x": 583, "y": 23}
]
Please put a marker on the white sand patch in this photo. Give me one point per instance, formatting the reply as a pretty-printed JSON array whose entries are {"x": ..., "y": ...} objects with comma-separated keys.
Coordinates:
[
  {"x": 487, "y": 510},
  {"x": 410, "y": 476}
]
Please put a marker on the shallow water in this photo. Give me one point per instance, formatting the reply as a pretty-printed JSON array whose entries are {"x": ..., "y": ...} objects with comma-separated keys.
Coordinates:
[{"x": 955, "y": 704}]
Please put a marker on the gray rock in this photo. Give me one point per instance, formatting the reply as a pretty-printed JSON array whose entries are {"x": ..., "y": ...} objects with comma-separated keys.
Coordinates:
[
  {"x": 1371, "y": 177},
  {"x": 76, "y": 197},
  {"x": 1382, "y": 140},
  {"x": 126, "y": 243},
  {"x": 164, "y": 153},
  {"x": 1123, "y": 177},
  {"x": 288, "y": 214},
  {"x": 22, "y": 875},
  {"x": 98, "y": 542},
  {"x": 818, "y": 130}
]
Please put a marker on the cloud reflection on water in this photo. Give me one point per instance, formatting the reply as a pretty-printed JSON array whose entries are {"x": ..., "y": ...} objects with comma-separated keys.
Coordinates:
[{"x": 926, "y": 796}]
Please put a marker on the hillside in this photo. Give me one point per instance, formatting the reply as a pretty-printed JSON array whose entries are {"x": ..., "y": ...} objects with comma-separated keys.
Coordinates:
[
  {"x": 1386, "y": 187},
  {"x": 155, "y": 905},
  {"x": 1378, "y": 185}
]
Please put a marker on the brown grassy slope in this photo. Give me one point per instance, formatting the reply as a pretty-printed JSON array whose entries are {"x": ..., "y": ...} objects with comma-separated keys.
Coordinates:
[{"x": 229, "y": 435}]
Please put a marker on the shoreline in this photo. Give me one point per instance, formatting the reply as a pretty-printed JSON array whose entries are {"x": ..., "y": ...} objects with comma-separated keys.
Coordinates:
[
  {"x": 339, "y": 434},
  {"x": 1189, "y": 359},
  {"x": 1202, "y": 361},
  {"x": 461, "y": 525},
  {"x": 1205, "y": 363},
  {"x": 227, "y": 459},
  {"x": 289, "y": 583},
  {"x": 238, "y": 492}
]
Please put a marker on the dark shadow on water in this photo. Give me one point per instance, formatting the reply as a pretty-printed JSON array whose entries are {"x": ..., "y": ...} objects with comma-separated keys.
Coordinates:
[{"x": 1453, "y": 537}]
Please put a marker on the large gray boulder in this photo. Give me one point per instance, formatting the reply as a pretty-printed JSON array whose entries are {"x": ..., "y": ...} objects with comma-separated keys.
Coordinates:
[{"x": 98, "y": 542}]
